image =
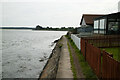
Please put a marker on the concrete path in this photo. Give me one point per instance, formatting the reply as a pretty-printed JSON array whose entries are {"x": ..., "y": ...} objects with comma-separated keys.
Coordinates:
[{"x": 64, "y": 68}]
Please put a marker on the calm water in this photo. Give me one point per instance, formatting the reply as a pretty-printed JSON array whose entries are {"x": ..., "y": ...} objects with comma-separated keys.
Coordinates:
[{"x": 25, "y": 52}]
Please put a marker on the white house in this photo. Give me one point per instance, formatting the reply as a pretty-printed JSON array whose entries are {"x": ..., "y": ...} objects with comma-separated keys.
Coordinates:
[
  {"x": 87, "y": 22},
  {"x": 88, "y": 19}
]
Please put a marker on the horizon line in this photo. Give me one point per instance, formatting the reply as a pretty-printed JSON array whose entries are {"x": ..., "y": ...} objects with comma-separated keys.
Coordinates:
[{"x": 40, "y": 25}]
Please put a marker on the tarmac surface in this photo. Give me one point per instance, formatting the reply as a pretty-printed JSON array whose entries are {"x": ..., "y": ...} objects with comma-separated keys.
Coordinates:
[{"x": 64, "y": 67}]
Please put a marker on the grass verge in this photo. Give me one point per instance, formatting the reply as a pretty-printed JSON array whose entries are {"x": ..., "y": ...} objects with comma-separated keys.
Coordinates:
[
  {"x": 72, "y": 63},
  {"x": 87, "y": 71},
  {"x": 114, "y": 51}
]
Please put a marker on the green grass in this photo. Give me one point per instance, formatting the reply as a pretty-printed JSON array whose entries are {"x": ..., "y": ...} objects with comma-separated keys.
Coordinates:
[
  {"x": 87, "y": 71},
  {"x": 72, "y": 63},
  {"x": 114, "y": 51}
]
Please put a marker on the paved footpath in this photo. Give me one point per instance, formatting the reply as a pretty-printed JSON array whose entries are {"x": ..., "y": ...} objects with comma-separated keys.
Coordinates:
[{"x": 64, "y": 68}]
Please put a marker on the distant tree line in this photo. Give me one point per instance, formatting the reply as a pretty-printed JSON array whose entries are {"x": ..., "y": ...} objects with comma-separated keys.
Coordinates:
[{"x": 54, "y": 29}]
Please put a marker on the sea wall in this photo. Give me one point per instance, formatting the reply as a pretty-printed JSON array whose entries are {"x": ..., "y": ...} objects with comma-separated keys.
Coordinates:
[{"x": 51, "y": 67}]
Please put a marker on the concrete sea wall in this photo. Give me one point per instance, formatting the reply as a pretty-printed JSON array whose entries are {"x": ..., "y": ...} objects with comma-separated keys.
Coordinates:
[{"x": 51, "y": 67}]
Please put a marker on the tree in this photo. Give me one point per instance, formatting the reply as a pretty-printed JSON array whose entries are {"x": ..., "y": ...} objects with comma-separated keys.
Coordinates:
[
  {"x": 38, "y": 27},
  {"x": 47, "y": 28}
]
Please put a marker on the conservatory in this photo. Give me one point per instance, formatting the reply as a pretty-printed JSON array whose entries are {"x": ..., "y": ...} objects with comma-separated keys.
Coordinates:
[{"x": 108, "y": 24}]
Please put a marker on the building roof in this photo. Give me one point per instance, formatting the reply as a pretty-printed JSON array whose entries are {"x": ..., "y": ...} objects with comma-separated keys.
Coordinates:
[
  {"x": 112, "y": 15},
  {"x": 89, "y": 18}
]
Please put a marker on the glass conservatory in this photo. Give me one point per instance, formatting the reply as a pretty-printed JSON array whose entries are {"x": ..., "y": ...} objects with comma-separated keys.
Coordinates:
[{"x": 108, "y": 24}]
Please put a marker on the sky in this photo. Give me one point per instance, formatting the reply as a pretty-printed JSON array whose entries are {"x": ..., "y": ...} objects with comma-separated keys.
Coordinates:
[{"x": 52, "y": 13}]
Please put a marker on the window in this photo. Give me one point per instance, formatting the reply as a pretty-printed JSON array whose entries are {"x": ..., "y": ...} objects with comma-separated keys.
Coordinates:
[
  {"x": 96, "y": 24},
  {"x": 95, "y": 31},
  {"x": 102, "y": 31},
  {"x": 102, "y": 24},
  {"x": 112, "y": 20},
  {"x": 113, "y": 26},
  {"x": 118, "y": 20}
]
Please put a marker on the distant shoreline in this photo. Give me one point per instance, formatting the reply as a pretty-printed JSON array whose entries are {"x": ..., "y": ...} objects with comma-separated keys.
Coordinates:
[
  {"x": 38, "y": 29},
  {"x": 49, "y": 30},
  {"x": 32, "y": 29},
  {"x": 28, "y": 29}
]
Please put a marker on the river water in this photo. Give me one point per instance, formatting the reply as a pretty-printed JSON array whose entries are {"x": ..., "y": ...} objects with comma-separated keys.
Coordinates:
[{"x": 25, "y": 52}]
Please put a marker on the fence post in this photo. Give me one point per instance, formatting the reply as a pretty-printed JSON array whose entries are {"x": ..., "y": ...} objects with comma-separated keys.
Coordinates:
[
  {"x": 85, "y": 49},
  {"x": 101, "y": 61}
]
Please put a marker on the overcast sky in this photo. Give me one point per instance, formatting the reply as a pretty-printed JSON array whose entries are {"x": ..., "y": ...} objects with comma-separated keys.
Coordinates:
[{"x": 52, "y": 13}]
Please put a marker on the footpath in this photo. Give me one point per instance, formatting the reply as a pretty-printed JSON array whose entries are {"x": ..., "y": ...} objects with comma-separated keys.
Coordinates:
[
  {"x": 64, "y": 68},
  {"x": 58, "y": 65}
]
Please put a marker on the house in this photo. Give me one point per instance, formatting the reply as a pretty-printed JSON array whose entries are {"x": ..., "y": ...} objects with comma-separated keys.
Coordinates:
[
  {"x": 88, "y": 19},
  {"x": 87, "y": 22},
  {"x": 107, "y": 24}
]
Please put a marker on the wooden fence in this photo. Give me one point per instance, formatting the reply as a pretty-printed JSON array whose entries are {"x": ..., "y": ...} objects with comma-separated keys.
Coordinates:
[
  {"x": 93, "y": 57},
  {"x": 110, "y": 67},
  {"x": 107, "y": 68},
  {"x": 76, "y": 40},
  {"x": 83, "y": 46},
  {"x": 104, "y": 41}
]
